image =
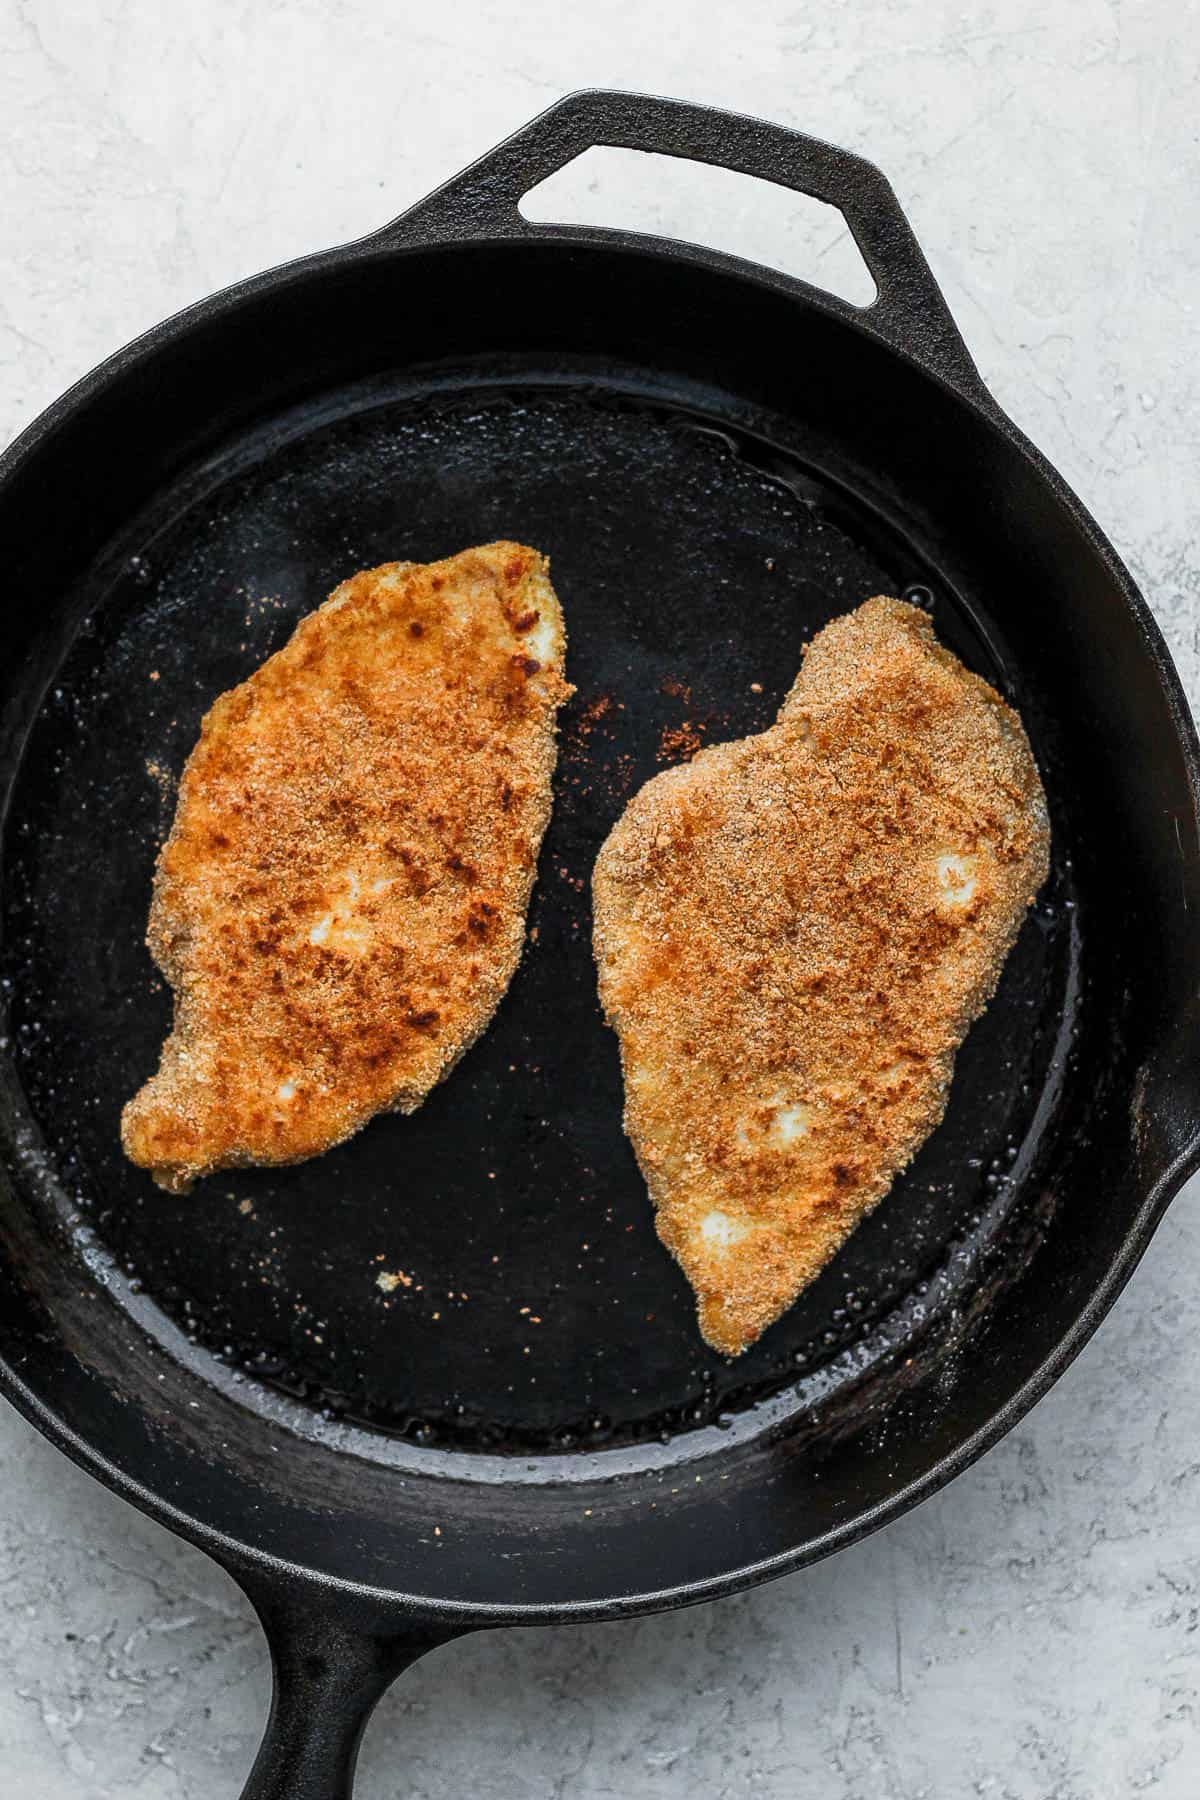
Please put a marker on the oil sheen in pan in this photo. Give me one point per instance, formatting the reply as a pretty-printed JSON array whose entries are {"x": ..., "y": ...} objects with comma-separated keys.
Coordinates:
[{"x": 485, "y": 1274}]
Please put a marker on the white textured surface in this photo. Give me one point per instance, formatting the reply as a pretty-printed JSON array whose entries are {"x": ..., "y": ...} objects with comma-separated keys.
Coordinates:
[{"x": 1031, "y": 1634}]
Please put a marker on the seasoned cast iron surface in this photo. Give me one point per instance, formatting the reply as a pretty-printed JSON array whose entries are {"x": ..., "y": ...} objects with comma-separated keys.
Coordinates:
[{"x": 530, "y": 1303}]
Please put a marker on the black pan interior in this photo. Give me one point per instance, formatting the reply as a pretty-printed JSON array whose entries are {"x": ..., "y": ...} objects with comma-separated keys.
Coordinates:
[
  {"x": 711, "y": 490},
  {"x": 533, "y": 1307}
]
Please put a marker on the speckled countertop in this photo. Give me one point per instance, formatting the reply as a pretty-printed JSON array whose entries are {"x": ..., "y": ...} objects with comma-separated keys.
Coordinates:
[{"x": 1031, "y": 1633}]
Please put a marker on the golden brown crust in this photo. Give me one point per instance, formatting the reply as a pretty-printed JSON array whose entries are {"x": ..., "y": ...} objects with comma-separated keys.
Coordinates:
[
  {"x": 793, "y": 934},
  {"x": 341, "y": 902}
]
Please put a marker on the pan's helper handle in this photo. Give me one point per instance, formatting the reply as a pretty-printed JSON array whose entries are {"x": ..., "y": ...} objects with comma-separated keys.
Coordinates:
[
  {"x": 331, "y": 1662},
  {"x": 909, "y": 312}
]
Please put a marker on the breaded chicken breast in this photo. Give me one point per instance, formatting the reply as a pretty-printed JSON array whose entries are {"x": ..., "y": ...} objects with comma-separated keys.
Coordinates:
[
  {"x": 340, "y": 904},
  {"x": 793, "y": 934}
]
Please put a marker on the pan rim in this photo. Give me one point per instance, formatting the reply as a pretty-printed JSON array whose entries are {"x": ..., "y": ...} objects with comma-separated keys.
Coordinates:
[{"x": 236, "y": 1555}]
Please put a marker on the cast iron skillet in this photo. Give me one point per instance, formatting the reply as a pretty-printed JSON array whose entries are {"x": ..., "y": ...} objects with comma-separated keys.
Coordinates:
[{"x": 526, "y": 1428}]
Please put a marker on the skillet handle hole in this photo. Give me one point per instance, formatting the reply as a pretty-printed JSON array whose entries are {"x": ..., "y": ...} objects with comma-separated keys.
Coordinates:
[{"x": 721, "y": 209}]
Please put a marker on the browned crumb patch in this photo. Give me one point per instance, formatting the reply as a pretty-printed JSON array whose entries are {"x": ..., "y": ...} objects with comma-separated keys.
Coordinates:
[{"x": 678, "y": 743}]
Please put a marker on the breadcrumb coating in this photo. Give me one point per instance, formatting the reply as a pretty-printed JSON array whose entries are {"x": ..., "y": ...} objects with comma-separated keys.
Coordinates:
[
  {"x": 341, "y": 902},
  {"x": 794, "y": 933}
]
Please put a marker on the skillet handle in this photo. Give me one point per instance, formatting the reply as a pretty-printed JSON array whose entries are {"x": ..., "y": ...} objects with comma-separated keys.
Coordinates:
[
  {"x": 330, "y": 1665},
  {"x": 909, "y": 312}
]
